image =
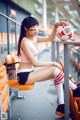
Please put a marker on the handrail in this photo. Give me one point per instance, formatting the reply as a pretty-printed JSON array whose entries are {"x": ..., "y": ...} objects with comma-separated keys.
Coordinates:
[
  {"x": 66, "y": 69},
  {"x": 69, "y": 42},
  {"x": 8, "y": 39},
  {"x": 9, "y": 18},
  {"x": 75, "y": 51}
]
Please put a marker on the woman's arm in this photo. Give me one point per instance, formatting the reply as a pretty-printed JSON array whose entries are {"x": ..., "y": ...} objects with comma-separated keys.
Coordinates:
[
  {"x": 44, "y": 64},
  {"x": 53, "y": 33},
  {"x": 48, "y": 38},
  {"x": 26, "y": 48}
]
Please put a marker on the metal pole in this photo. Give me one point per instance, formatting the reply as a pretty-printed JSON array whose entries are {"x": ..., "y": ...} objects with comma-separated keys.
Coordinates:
[
  {"x": 66, "y": 81},
  {"x": 44, "y": 15},
  {"x": 53, "y": 51},
  {"x": 15, "y": 36},
  {"x": 8, "y": 44},
  {"x": 57, "y": 47}
]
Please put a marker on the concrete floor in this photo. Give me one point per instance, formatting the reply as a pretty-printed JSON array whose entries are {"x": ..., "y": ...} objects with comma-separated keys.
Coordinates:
[{"x": 39, "y": 104}]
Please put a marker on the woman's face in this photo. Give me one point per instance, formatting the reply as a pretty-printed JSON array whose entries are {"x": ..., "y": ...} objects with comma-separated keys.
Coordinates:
[{"x": 32, "y": 31}]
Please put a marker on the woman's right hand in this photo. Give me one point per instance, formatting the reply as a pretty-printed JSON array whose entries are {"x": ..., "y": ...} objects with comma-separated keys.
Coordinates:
[{"x": 60, "y": 24}]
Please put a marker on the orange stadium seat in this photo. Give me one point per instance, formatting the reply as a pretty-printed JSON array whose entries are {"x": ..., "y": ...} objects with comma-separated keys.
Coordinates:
[
  {"x": 5, "y": 84},
  {"x": 4, "y": 96},
  {"x": 12, "y": 62}
]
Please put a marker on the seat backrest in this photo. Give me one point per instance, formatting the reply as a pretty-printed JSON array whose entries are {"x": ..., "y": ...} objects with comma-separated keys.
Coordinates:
[
  {"x": 4, "y": 93},
  {"x": 1, "y": 64},
  {"x": 12, "y": 64},
  {"x": 8, "y": 59},
  {"x": 15, "y": 59}
]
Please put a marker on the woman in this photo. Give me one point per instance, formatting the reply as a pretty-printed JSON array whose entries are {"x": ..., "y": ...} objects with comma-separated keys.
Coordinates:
[{"x": 27, "y": 49}]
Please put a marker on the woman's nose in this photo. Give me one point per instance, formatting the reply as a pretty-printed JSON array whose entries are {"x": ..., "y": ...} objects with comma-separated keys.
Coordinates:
[{"x": 36, "y": 28}]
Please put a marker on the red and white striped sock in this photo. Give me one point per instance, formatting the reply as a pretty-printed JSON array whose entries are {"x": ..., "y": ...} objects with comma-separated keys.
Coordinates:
[
  {"x": 59, "y": 77},
  {"x": 60, "y": 93},
  {"x": 59, "y": 85},
  {"x": 58, "y": 82}
]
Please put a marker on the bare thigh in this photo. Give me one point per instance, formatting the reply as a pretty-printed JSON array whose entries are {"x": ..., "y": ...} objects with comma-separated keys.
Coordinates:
[{"x": 43, "y": 74}]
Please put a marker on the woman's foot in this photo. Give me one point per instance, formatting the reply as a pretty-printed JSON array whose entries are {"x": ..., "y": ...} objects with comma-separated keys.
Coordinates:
[
  {"x": 76, "y": 94},
  {"x": 60, "y": 110}
]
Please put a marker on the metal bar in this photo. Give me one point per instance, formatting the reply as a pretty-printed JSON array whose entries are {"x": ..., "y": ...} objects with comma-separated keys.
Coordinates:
[
  {"x": 53, "y": 51},
  {"x": 8, "y": 43},
  {"x": 75, "y": 51},
  {"x": 9, "y": 109},
  {"x": 2, "y": 46},
  {"x": 66, "y": 81},
  {"x": 15, "y": 36},
  {"x": 57, "y": 47},
  {"x": 9, "y": 18}
]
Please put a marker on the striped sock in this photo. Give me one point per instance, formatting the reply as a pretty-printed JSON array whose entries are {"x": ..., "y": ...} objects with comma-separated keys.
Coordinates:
[
  {"x": 59, "y": 85},
  {"x": 59, "y": 77}
]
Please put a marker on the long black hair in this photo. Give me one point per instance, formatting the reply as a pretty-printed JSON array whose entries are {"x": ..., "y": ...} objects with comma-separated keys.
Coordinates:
[{"x": 27, "y": 22}]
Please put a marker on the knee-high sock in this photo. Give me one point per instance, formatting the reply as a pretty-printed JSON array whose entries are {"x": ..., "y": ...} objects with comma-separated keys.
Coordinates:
[
  {"x": 59, "y": 87},
  {"x": 59, "y": 76},
  {"x": 58, "y": 82},
  {"x": 71, "y": 84},
  {"x": 60, "y": 93}
]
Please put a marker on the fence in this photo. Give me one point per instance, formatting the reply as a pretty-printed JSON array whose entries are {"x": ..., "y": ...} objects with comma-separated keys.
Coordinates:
[{"x": 64, "y": 47}]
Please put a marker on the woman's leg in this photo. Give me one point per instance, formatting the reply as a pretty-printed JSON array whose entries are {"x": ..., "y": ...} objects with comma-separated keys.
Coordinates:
[
  {"x": 42, "y": 74},
  {"x": 74, "y": 87},
  {"x": 76, "y": 91},
  {"x": 71, "y": 84},
  {"x": 49, "y": 73}
]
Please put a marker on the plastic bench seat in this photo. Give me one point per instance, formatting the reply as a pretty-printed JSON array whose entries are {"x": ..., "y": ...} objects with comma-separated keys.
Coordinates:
[{"x": 14, "y": 84}]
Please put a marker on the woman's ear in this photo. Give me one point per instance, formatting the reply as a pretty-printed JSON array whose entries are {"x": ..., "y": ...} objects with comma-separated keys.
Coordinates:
[{"x": 25, "y": 29}]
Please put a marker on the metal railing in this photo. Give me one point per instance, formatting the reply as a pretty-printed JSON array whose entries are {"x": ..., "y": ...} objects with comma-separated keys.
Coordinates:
[
  {"x": 7, "y": 31},
  {"x": 56, "y": 57}
]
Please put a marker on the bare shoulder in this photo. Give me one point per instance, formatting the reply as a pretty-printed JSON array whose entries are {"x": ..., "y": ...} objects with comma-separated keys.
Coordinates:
[{"x": 24, "y": 42}]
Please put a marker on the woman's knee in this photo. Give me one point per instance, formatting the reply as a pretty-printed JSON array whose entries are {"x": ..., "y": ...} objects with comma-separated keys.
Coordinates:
[
  {"x": 59, "y": 66},
  {"x": 55, "y": 71}
]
